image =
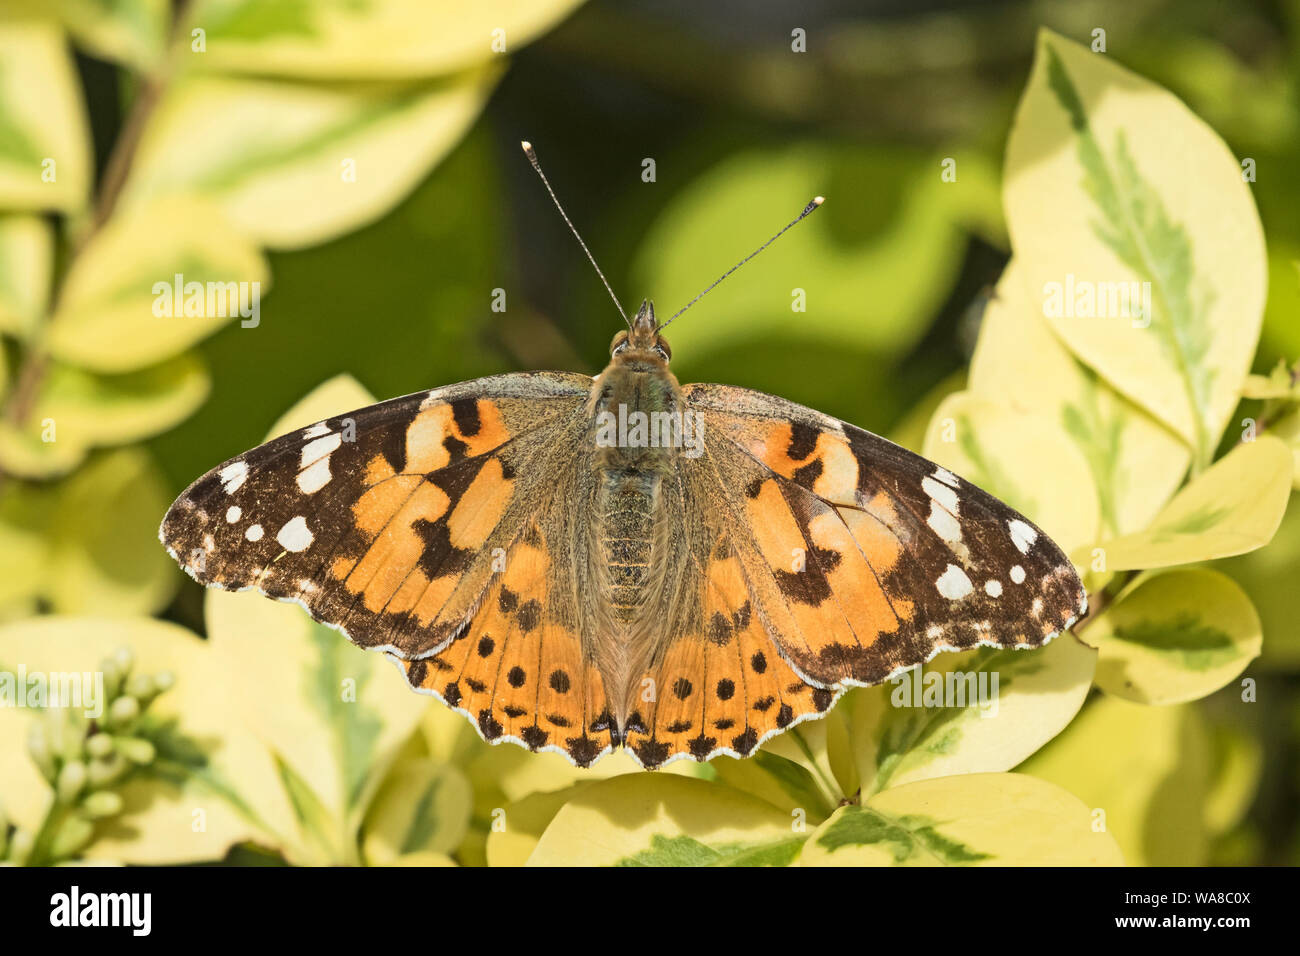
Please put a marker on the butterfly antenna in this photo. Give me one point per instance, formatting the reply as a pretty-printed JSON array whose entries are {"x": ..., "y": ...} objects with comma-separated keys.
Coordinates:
[
  {"x": 532, "y": 158},
  {"x": 807, "y": 210}
]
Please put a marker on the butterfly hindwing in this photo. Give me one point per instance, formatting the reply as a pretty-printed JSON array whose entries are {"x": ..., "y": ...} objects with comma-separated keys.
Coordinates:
[
  {"x": 721, "y": 685},
  {"x": 866, "y": 558},
  {"x": 518, "y": 671}
]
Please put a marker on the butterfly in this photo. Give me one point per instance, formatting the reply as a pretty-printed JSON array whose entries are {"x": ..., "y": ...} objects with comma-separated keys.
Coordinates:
[{"x": 578, "y": 564}]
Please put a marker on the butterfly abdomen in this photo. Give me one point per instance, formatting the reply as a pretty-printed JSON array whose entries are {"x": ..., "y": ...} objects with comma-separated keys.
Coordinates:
[{"x": 626, "y": 506}]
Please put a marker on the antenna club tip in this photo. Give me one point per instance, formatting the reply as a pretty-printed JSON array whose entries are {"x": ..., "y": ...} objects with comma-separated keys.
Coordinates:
[
  {"x": 818, "y": 200},
  {"x": 527, "y": 146}
]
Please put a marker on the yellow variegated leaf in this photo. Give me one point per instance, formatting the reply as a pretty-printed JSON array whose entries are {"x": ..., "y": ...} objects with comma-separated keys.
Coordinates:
[
  {"x": 87, "y": 409},
  {"x": 974, "y": 712},
  {"x": 515, "y": 828},
  {"x": 26, "y": 264},
  {"x": 983, "y": 819},
  {"x": 336, "y": 39},
  {"x": 291, "y": 165},
  {"x": 1175, "y": 636},
  {"x": 333, "y": 712},
  {"x": 421, "y": 807},
  {"x": 88, "y": 544},
  {"x": 1233, "y": 507},
  {"x": 157, "y": 279},
  {"x": 133, "y": 32},
  {"x": 159, "y": 825},
  {"x": 1135, "y": 462},
  {"x": 1025, "y": 460},
  {"x": 27, "y": 455},
  {"x": 664, "y": 820},
  {"x": 45, "y": 158},
  {"x": 1143, "y": 771},
  {"x": 1114, "y": 191}
]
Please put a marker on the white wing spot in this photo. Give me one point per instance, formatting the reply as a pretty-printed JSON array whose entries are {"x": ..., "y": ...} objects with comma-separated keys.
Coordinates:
[
  {"x": 1022, "y": 535},
  {"x": 233, "y": 476},
  {"x": 315, "y": 477},
  {"x": 1018, "y": 574},
  {"x": 940, "y": 493},
  {"x": 295, "y": 536},
  {"x": 320, "y": 428},
  {"x": 320, "y": 448},
  {"x": 233, "y": 513},
  {"x": 993, "y": 588},
  {"x": 944, "y": 524},
  {"x": 254, "y": 532},
  {"x": 1038, "y": 607},
  {"x": 953, "y": 583},
  {"x": 934, "y": 632},
  {"x": 946, "y": 476}
]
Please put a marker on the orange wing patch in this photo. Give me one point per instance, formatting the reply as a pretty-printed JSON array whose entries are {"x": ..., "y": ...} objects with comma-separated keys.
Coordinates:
[
  {"x": 723, "y": 687},
  {"x": 517, "y": 671}
]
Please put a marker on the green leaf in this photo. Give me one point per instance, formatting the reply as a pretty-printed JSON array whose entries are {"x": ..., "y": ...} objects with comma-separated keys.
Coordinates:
[
  {"x": 972, "y": 712},
  {"x": 869, "y": 281},
  {"x": 45, "y": 160},
  {"x": 660, "y": 820},
  {"x": 781, "y": 781},
  {"x": 1111, "y": 180},
  {"x": 985, "y": 819},
  {"x": 119, "y": 310},
  {"x": 292, "y": 165},
  {"x": 1233, "y": 507},
  {"x": 1143, "y": 770},
  {"x": 334, "y": 39},
  {"x": 1175, "y": 636}
]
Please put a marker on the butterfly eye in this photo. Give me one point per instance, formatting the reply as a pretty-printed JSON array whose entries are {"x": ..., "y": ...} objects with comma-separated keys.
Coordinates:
[
  {"x": 621, "y": 347},
  {"x": 663, "y": 353}
]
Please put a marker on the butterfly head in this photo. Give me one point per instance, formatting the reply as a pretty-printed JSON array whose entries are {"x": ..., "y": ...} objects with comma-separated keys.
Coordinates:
[{"x": 641, "y": 343}]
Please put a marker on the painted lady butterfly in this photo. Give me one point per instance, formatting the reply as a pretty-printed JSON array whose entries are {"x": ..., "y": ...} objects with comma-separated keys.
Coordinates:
[{"x": 577, "y": 564}]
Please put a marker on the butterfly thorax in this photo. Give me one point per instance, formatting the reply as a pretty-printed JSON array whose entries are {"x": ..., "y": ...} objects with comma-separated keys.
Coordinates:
[{"x": 639, "y": 428}]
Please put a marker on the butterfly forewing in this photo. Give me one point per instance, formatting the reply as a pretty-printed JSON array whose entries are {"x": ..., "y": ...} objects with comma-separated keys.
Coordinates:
[
  {"x": 871, "y": 559},
  {"x": 382, "y": 522}
]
